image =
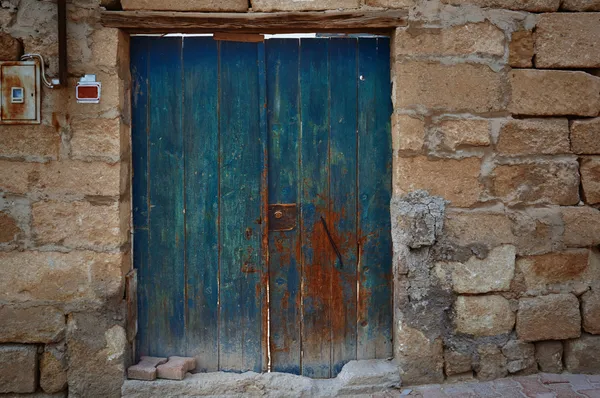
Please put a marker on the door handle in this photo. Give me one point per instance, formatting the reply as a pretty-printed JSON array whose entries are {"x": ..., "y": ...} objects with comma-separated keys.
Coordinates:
[{"x": 337, "y": 252}]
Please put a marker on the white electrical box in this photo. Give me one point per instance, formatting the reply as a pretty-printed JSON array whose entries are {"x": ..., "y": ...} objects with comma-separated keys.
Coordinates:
[{"x": 20, "y": 92}]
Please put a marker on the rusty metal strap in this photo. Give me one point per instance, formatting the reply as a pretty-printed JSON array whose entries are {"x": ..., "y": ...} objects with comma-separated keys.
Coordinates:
[{"x": 339, "y": 255}]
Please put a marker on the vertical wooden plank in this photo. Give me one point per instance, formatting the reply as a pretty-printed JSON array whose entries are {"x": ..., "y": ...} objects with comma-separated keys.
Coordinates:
[
  {"x": 241, "y": 288},
  {"x": 139, "y": 129},
  {"x": 166, "y": 210},
  {"x": 342, "y": 222},
  {"x": 139, "y": 138},
  {"x": 284, "y": 247},
  {"x": 201, "y": 150},
  {"x": 140, "y": 259},
  {"x": 314, "y": 180},
  {"x": 264, "y": 215},
  {"x": 374, "y": 192}
]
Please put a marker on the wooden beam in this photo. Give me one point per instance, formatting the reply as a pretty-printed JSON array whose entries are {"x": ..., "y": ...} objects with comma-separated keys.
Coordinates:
[
  {"x": 244, "y": 37},
  {"x": 276, "y": 22}
]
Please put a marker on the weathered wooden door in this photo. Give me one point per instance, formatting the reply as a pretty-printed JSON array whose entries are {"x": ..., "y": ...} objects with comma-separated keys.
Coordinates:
[{"x": 261, "y": 188}]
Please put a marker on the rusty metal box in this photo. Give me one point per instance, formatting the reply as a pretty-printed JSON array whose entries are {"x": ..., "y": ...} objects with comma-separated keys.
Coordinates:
[{"x": 20, "y": 92}]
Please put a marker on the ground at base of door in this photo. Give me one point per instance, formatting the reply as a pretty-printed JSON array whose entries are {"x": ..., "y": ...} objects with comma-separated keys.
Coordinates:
[
  {"x": 543, "y": 385},
  {"x": 364, "y": 377}
]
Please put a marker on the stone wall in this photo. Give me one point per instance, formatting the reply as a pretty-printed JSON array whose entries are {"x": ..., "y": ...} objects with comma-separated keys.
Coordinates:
[
  {"x": 496, "y": 189},
  {"x": 495, "y": 213},
  {"x": 64, "y": 213}
]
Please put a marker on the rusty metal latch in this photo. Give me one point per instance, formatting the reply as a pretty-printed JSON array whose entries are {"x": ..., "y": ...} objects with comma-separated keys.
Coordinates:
[
  {"x": 282, "y": 217},
  {"x": 337, "y": 252}
]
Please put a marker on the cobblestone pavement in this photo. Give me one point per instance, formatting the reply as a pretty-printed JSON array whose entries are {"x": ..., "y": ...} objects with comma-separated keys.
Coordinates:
[{"x": 542, "y": 385}]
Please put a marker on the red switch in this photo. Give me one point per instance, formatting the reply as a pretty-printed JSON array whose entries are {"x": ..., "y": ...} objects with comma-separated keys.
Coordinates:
[{"x": 88, "y": 90}]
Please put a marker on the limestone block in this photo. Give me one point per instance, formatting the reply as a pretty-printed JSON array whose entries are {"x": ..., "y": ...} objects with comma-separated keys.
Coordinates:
[
  {"x": 590, "y": 179},
  {"x": 105, "y": 47},
  {"x": 19, "y": 368},
  {"x": 571, "y": 271},
  {"x": 53, "y": 372},
  {"x": 478, "y": 227},
  {"x": 548, "y": 355},
  {"x": 520, "y": 355},
  {"x": 456, "y": 362},
  {"x": 568, "y": 40},
  {"x": 466, "y": 377},
  {"x": 96, "y": 139},
  {"x": 74, "y": 177},
  {"x": 590, "y": 310},
  {"x": 491, "y": 364},
  {"x": 9, "y": 230},
  {"x": 581, "y": 355},
  {"x": 552, "y": 317},
  {"x": 11, "y": 49},
  {"x": 453, "y": 134},
  {"x": 307, "y": 5},
  {"x": 60, "y": 178},
  {"x": 533, "y": 137},
  {"x": 585, "y": 136},
  {"x": 373, "y": 372},
  {"x": 417, "y": 219},
  {"x": 60, "y": 277},
  {"x": 107, "y": 276},
  {"x": 77, "y": 225},
  {"x": 488, "y": 315},
  {"x": 31, "y": 325},
  {"x": 185, "y": 5},
  {"x": 453, "y": 180},
  {"x": 550, "y": 182},
  {"x": 15, "y": 176},
  {"x": 408, "y": 133},
  {"x": 491, "y": 274},
  {"x": 520, "y": 49},
  {"x": 457, "y": 88},
  {"x": 582, "y": 226},
  {"x": 548, "y": 93},
  {"x": 420, "y": 358},
  {"x": 145, "y": 369},
  {"x": 96, "y": 353},
  {"x": 581, "y": 5},
  {"x": 7, "y": 14},
  {"x": 537, "y": 230},
  {"x": 530, "y": 5},
  {"x": 482, "y": 39},
  {"x": 29, "y": 142}
]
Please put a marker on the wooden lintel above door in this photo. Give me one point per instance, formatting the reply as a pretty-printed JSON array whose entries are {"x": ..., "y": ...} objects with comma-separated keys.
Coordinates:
[{"x": 371, "y": 21}]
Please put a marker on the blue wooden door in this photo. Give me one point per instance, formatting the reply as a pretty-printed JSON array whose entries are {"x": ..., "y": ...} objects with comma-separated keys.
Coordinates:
[{"x": 262, "y": 169}]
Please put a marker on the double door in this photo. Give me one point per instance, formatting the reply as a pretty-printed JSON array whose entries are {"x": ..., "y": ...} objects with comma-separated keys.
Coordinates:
[{"x": 261, "y": 188}]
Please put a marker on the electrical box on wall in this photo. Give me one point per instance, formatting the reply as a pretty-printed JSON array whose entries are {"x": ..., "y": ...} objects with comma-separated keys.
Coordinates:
[{"x": 20, "y": 92}]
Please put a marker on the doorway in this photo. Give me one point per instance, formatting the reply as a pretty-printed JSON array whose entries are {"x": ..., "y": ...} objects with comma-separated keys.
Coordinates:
[{"x": 261, "y": 188}]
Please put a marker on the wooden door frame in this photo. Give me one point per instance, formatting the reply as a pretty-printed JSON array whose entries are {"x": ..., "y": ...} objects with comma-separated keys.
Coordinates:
[
  {"x": 154, "y": 22},
  {"x": 159, "y": 22}
]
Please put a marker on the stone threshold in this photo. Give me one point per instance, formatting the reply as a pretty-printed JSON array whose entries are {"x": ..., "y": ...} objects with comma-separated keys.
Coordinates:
[{"x": 356, "y": 378}]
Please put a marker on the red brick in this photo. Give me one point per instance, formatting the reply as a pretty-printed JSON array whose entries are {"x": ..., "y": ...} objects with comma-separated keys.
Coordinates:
[
  {"x": 176, "y": 368},
  {"x": 145, "y": 369}
]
